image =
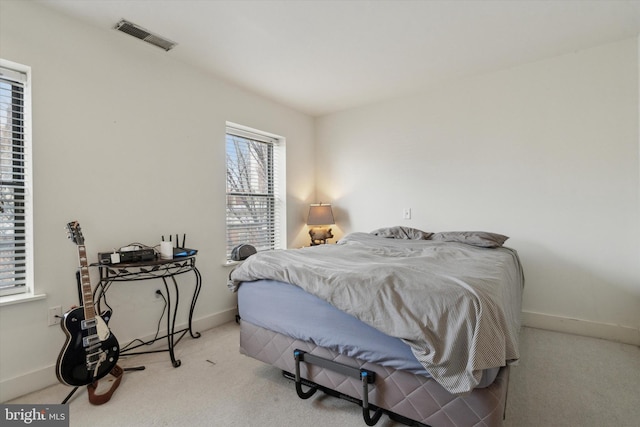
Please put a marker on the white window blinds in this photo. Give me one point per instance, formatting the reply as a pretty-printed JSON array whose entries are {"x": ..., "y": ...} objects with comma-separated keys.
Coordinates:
[
  {"x": 14, "y": 184},
  {"x": 254, "y": 210}
]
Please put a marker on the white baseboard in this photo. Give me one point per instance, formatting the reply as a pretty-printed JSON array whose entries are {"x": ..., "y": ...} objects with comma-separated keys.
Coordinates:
[
  {"x": 28, "y": 383},
  {"x": 618, "y": 333},
  {"x": 45, "y": 377},
  {"x": 214, "y": 320}
]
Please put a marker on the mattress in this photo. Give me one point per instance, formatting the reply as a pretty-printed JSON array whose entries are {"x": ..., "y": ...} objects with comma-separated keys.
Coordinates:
[
  {"x": 411, "y": 396},
  {"x": 293, "y": 312}
]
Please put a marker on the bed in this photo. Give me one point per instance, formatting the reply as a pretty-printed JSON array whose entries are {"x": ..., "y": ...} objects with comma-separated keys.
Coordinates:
[{"x": 422, "y": 327}]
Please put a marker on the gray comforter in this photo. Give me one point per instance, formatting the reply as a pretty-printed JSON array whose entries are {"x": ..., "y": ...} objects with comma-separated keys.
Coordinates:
[{"x": 456, "y": 305}]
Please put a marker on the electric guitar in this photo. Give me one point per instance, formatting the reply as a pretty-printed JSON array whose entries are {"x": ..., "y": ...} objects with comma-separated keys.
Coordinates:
[{"x": 91, "y": 350}]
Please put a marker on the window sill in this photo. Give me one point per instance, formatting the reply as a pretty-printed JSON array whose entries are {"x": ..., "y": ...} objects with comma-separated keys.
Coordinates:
[{"x": 20, "y": 298}]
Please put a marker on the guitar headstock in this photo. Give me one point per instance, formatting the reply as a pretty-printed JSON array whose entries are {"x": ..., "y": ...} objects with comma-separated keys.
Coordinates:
[{"x": 75, "y": 233}]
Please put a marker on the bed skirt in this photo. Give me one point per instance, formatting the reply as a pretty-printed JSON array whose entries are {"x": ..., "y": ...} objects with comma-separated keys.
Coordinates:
[{"x": 411, "y": 396}]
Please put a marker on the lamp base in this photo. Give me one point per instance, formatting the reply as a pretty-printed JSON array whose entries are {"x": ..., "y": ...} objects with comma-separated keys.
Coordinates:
[{"x": 320, "y": 235}]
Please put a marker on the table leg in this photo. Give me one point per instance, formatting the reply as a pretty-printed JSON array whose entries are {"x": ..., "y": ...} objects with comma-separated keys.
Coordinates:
[
  {"x": 196, "y": 292},
  {"x": 171, "y": 319}
]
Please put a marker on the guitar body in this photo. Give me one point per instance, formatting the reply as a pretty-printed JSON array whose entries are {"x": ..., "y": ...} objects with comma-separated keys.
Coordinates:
[{"x": 90, "y": 351}]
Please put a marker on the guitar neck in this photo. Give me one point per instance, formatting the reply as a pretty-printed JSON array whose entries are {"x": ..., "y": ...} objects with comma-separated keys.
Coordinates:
[{"x": 87, "y": 293}]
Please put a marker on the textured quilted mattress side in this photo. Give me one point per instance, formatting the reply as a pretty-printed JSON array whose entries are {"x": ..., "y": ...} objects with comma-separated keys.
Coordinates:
[{"x": 412, "y": 396}]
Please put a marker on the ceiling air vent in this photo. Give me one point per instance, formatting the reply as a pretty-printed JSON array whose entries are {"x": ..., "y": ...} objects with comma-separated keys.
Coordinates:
[{"x": 142, "y": 34}]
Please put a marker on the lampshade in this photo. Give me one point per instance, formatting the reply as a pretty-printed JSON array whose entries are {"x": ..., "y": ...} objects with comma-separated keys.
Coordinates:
[{"x": 320, "y": 214}]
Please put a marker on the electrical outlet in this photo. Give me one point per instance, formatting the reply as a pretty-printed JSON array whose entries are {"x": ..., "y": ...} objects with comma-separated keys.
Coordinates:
[
  {"x": 55, "y": 315},
  {"x": 406, "y": 213}
]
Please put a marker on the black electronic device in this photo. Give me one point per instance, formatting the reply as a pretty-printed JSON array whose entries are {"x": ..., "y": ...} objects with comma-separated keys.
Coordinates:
[
  {"x": 138, "y": 255},
  {"x": 105, "y": 257},
  {"x": 181, "y": 252}
]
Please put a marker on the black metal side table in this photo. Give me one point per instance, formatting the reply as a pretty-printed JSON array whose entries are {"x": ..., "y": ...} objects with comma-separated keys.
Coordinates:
[{"x": 155, "y": 269}]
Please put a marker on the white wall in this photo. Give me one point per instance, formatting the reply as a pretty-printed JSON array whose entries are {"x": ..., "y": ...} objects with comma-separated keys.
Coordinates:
[
  {"x": 546, "y": 153},
  {"x": 111, "y": 116}
]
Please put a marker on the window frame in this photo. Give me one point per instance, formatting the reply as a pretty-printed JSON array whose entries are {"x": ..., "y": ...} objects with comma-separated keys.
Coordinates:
[
  {"x": 19, "y": 73},
  {"x": 277, "y": 175}
]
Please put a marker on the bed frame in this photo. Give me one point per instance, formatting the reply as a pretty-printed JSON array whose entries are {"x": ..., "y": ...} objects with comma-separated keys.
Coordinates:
[{"x": 405, "y": 397}]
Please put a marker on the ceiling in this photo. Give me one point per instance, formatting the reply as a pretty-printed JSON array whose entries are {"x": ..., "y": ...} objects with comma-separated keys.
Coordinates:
[{"x": 319, "y": 56}]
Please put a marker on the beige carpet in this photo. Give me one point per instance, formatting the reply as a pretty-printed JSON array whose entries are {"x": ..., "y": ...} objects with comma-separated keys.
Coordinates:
[{"x": 562, "y": 380}]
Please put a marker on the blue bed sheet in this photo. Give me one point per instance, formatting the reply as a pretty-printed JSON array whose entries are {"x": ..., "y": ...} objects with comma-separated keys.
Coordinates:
[{"x": 289, "y": 310}]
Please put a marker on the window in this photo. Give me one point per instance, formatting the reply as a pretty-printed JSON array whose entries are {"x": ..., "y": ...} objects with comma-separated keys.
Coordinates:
[
  {"x": 255, "y": 185},
  {"x": 16, "y": 251}
]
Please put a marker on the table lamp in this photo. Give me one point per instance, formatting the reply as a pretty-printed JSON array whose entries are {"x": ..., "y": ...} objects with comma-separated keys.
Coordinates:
[{"x": 320, "y": 216}]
